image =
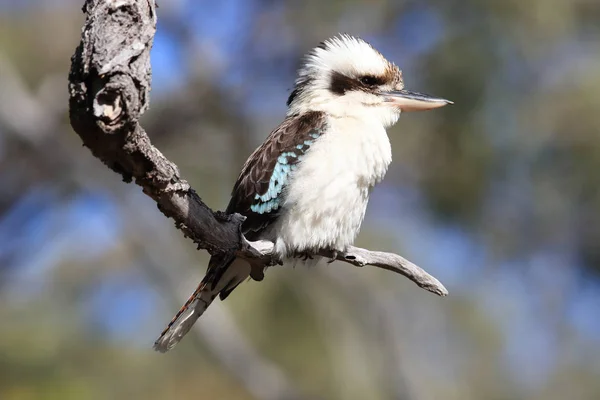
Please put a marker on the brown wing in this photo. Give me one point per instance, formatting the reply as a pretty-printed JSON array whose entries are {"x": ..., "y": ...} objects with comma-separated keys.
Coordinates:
[{"x": 259, "y": 191}]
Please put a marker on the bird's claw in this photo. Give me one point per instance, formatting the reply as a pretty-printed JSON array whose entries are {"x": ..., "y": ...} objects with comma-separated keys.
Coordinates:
[
  {"x": 334, "y": 254},
  {"x": 275, "y": 260},
  {"x": 258, "y": 274},
  {"x": 303, "y": 255}
]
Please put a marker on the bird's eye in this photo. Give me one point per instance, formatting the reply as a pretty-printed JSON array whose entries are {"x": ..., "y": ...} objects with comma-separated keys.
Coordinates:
[{"x": 369, "y": 80}]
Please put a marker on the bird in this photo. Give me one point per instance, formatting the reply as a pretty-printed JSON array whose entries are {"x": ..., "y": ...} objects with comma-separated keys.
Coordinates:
[{"x": 306, "y": 188}]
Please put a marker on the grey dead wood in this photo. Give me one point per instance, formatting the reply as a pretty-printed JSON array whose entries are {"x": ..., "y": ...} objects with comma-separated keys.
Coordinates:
[{"x": 109, "y": 86}]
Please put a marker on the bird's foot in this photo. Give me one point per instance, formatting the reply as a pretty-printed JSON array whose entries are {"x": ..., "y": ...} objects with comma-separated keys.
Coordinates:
[
  {"x": 257, "y": 272},
  {"x": 334, "y": 254},
  {"x": 275, "y": 260},
  {"x": 304, "y": 255}
]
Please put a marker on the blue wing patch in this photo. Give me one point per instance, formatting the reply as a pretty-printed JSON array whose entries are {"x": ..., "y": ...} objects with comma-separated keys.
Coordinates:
[
  {"x": 260, "y": 190},
  {"x": 287, "y": 162}
]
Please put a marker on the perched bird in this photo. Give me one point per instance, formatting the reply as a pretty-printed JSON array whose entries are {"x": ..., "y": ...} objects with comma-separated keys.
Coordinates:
[{"x": 307, "y": 186}]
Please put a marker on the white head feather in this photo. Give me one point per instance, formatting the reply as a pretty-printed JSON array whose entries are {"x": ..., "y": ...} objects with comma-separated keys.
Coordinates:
[{"x": 330, "y": 81}]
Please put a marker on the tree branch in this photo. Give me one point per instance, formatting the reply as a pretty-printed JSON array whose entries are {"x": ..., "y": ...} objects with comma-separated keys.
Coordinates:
[{"x": 109, "y": 85}]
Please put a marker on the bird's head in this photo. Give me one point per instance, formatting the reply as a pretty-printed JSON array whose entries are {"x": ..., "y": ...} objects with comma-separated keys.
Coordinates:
[{"x": 346, "y": 77}]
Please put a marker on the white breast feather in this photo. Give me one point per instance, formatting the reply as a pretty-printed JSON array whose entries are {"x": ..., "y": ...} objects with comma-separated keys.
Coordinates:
[{"x": 327, "y": 197}]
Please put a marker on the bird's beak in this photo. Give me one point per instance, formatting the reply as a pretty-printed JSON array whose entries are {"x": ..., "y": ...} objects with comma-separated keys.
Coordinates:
[{"x": 413, "y": 101}]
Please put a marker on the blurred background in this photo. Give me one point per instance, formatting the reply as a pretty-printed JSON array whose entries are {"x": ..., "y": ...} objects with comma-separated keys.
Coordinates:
[{"x": 498, "y": 196}]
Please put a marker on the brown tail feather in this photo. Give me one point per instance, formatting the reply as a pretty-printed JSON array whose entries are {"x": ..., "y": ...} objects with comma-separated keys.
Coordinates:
[{"x": 223, "y": 276}]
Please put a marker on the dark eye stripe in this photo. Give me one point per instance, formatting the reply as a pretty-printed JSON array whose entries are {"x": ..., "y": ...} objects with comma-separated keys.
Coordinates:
[
  {"x": 341, "y": 83},
  {"x": 371, "y": 80}
]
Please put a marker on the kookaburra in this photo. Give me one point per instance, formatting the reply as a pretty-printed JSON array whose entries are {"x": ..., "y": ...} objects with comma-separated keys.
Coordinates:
[{"x": 307, "y": 186}]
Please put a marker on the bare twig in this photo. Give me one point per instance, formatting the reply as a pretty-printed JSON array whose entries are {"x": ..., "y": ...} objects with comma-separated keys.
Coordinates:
[
  {"x": 362, "y": 257},
  {"x": 109, "y": 85}
]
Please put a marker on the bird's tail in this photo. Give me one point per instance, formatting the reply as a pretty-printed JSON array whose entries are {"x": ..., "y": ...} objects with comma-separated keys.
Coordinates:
[{"x": 223, "y": 275}]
